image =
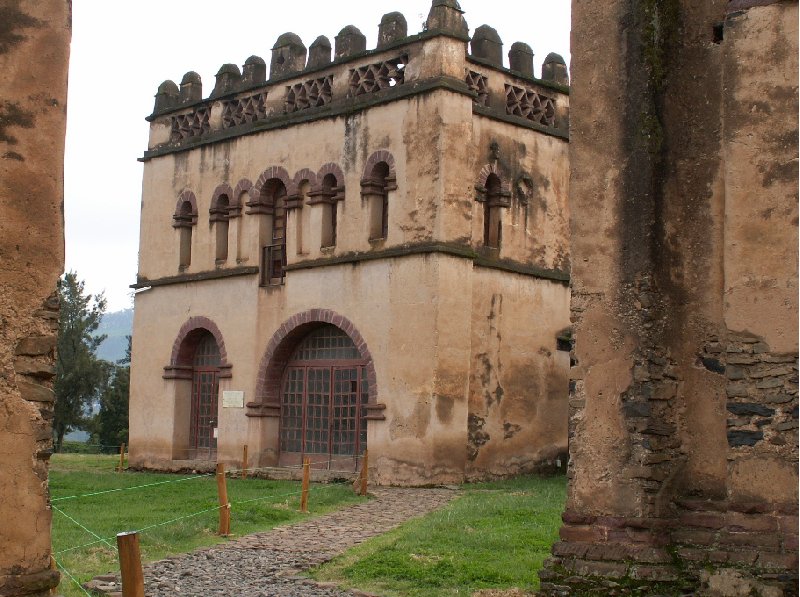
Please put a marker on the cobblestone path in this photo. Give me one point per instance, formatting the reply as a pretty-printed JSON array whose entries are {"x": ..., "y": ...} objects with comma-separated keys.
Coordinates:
[{"x": 265, "y": 564}]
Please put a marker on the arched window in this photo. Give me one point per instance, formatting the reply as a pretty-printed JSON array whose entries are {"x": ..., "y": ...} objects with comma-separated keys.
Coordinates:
[
  {"x": 272, "y": 232},
  {"x": 492, "y": 220},
  {"x": 184, "y": 220},
  {"x": 329, "y": 211},
  {"x": 219, "y": 220},
  {"x": 375, "y": 186}
]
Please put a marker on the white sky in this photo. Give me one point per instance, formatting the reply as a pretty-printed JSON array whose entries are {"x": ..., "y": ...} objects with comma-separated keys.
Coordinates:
[{"x": 122, "y": 51}]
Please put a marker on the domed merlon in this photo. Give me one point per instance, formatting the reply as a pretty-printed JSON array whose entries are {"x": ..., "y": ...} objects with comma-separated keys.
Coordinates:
[
  {"x": 319, "y": 54},
  {"x": 393, "y": 28},
  {"x": 520, "y": 58},
  {"x": 349, "y": 41},
  {"x": 228, "y": 80},
  {"x": 555, "y": 69},
  {"x": 191, "y": 88},
  {"x": 254, "y": 71},
  {"x": 166, "y": 96},
  {"x": 486, "y": 44},
  {"x": 288, "y": 55},
  {"x": 447, "y": 16},
  {"x": 288, "y": 39}
]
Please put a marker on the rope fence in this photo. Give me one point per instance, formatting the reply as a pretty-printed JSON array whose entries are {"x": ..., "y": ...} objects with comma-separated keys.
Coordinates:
[{"x": 225, "y": 507}]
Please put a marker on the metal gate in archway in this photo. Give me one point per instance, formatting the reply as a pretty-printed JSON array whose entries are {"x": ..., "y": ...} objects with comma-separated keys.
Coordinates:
[
  {"x": 323, "y": 400},
  {"x": 205, "y": 390}
]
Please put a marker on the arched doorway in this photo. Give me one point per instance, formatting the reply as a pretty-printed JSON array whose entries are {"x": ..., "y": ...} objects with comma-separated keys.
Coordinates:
[
  {"x": 205, "y": 391},
  {"x": 324, "y": 395}
]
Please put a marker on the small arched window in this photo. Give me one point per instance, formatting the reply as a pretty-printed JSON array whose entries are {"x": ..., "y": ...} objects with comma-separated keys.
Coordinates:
[
  {"x": 379, "y": 201},
  {"x": 492, "y": 220},
  {"x": 329, "y": 213},
  {"x": 219, "y": 220},
  {"x": 184, "y": 220}
]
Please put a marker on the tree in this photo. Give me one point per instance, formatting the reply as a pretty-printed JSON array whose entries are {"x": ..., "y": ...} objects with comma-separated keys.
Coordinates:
[
  {"x": 109, "y": 427},
  {"x": 79, "y": 373}
]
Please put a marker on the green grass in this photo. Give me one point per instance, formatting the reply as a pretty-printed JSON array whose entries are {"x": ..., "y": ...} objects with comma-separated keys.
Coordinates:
[
  {"x": 111, "y": 513},
  {"x": 495, "y": 536}
]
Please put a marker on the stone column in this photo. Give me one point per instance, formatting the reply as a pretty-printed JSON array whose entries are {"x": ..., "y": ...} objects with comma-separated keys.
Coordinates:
[
  {"x": 655, "y": 491},
  {"x": 34, "y": 51}
]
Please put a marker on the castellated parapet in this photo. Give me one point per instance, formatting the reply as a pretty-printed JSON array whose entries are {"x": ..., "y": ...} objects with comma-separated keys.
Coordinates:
[{"x": 360, "y": 247}]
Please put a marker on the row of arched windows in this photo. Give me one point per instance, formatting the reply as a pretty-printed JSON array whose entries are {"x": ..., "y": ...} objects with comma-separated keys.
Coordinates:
[{"x": 271, "y": 197}]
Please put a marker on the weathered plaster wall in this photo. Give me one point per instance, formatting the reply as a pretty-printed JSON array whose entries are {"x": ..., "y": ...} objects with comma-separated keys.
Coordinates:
[
  {"x": 518, "y": 380},
  {"x": 34, "y": 49},
  {"x": 683, "y": 200}
]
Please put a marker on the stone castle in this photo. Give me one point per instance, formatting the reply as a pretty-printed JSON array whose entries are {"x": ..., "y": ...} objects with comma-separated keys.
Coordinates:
[
  {"x": 678, "y": 241},
  {"x": 360, "y": 248}
]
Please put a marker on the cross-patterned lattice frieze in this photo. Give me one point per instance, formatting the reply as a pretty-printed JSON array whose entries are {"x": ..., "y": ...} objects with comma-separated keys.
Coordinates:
[
  {"x": 309, "y": 94},
  {"x": 530, "y": 104},
  {"x": 244, "y": 110},
  {"x": 480, "y": 85},
  {"x": 374, "y": 77},
  {"x": 188, "y": 125}
]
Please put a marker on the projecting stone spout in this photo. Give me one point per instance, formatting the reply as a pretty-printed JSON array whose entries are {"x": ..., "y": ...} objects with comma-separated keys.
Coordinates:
[
  {"x": 228, "y": 80},
  {"x": 288, "y": 55},
  {"x": 191, "y": 88},
  {"x": 486, "y": 44},
  {"x": 520, "y": 58},
  {"x": 319, "y": 54},
  {"x": 349, "y": 41},
  {"x": 254, "y": 71},
  {"x": 446, "y": 15},
  {"x": 393, "y": 28},
  {"x": 166, "y": 96},
  {"x": 555, "y": 69}
]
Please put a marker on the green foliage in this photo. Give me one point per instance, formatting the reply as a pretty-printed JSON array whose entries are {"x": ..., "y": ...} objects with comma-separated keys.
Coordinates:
[
  {"x": 496, "y": 536},
  {"x": 79, "y": 373},
  {"x": 273, "y": 503},
  {"x": 109, "y": 427}
]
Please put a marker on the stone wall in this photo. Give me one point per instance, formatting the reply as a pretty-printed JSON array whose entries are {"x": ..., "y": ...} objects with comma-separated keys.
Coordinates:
[
  {"x": 34, "y": 49},
  {"x": 683, "y": 202}
]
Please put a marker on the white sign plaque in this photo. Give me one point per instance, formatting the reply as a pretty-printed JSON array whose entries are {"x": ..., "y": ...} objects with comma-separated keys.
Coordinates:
[{"x": 232, "y": 399}]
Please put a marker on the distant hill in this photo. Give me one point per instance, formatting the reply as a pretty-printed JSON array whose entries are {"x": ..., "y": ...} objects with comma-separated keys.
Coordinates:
[{"x": 116, "y": 326}]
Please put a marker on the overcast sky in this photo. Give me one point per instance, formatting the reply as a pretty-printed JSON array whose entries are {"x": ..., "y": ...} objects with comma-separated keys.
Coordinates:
[{"x": 121, "y": 51}]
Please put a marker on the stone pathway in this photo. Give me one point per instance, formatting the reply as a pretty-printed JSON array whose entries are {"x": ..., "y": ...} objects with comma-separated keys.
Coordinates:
[{"x": 266, "y": 564}]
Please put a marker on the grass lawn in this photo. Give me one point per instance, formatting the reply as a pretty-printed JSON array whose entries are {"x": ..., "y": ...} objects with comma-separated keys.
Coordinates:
[
  {"x": 495, "y": 536},
  {"x": 271, "y": 503}
]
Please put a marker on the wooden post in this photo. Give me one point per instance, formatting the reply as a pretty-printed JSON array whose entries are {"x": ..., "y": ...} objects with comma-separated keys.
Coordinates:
[
  {"x": 121, "y": 457},
  {"x": 244, "y": 462},
  {"x": 53, "y": 566},
  {"x": 306, "y": 478},
  {"x": 130, "y": 564},
  {"x": 364, "y": 469},
  {"x": 224, "y": 506}
]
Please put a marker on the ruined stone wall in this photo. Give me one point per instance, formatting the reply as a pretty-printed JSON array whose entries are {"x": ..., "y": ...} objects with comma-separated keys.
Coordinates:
[
  {"x": 683, "y": 202},
  {"x": 34, "y": 50}
]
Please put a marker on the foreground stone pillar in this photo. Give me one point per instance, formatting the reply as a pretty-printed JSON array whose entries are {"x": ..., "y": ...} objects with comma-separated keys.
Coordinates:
[
  {"x": 34, "y": 49},
  {"x": 683, "y": 201}
]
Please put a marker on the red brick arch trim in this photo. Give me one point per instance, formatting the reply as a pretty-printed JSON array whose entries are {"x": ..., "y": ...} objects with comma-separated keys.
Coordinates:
[
  {"x": 280, "y": 348},
  {"x": 267, "y": 175},
  {"x": 181, "y": 219},
  {"x": 376, "y": 158},
  {"x": 331, "y": 168},
  {"x": 183, "y": 348},
  {"x": 242, "y": 187},
  {"x": 304, "y": 174},
  {"x": 505, "y": 185}
]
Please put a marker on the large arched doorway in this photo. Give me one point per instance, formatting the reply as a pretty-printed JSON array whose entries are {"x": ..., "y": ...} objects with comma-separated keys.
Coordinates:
[
  {"x": 205, "y": 392},
  {"x": 324, "y": 395}
]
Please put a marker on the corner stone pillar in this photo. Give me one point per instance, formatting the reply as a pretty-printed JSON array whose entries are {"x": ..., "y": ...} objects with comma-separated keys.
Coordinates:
[{"x": 683, "y": 402}]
